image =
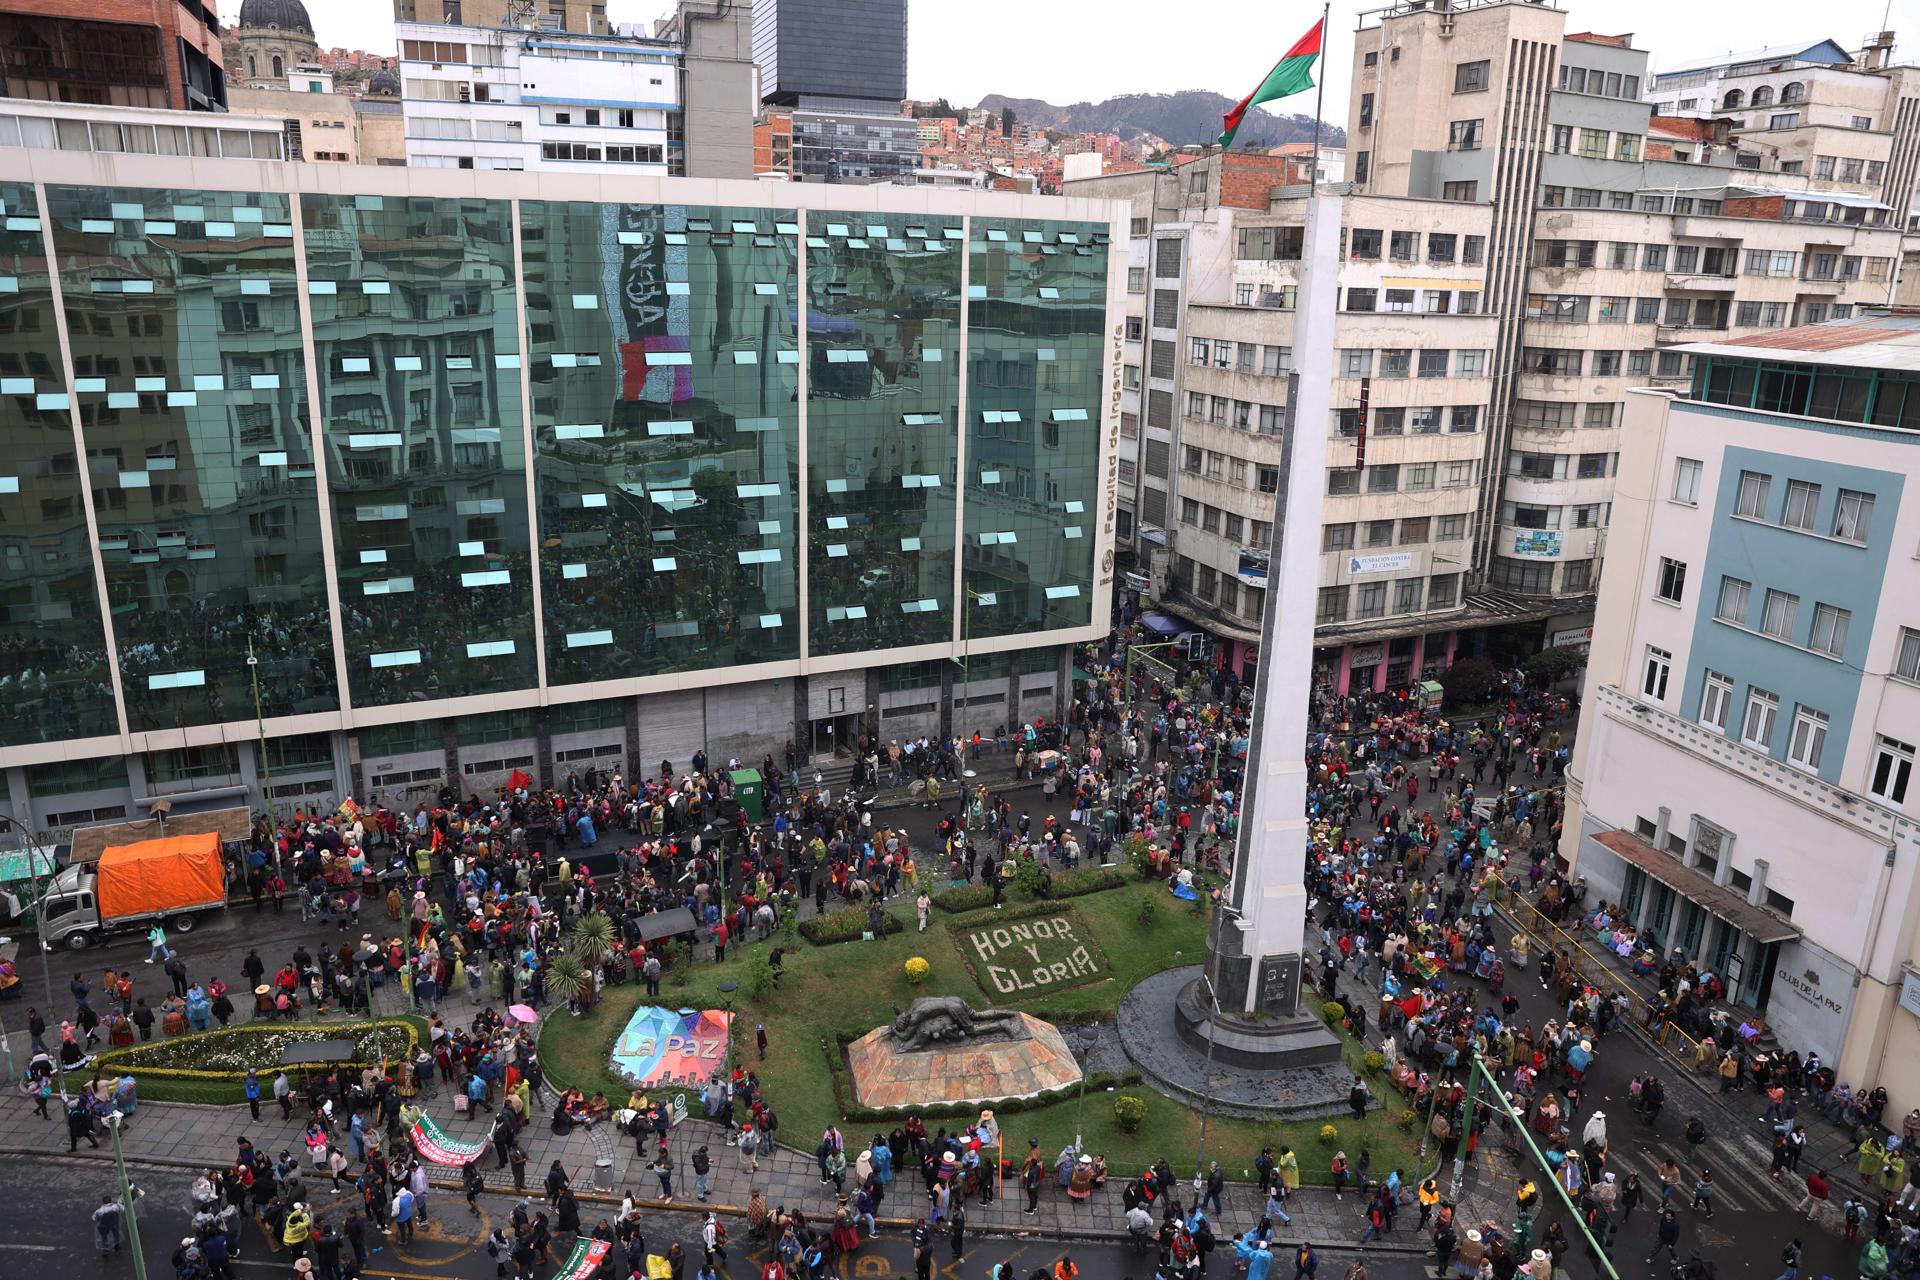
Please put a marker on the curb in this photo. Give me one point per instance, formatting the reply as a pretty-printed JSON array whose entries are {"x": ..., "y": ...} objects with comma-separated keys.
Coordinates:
[{"x": 737, "y": 1211}]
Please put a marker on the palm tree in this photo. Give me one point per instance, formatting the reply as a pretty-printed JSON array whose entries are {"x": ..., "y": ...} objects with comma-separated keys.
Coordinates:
[
  {"x": 592, "y": 940},
  {"x": 569, "y": 978}
]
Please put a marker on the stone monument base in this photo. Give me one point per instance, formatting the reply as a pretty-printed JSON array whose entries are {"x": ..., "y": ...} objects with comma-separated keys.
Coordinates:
[
  {"x": 966, "y": 1071},
  {"x": 1258, "y": 1043},
  {"x": 1295, "y": 1072}
]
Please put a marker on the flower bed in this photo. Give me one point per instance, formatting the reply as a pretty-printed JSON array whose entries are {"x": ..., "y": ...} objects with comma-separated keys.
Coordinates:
[
  {"x": 226, "y": 1054},
  {"x": 849, "y": 924}
]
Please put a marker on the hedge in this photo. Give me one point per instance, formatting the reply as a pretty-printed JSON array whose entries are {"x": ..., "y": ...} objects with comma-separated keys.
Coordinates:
[
  {"x": 849, "y": 924},
  {"x": 1066, "y": 884},
  {"x": 226, "y": 1054}
]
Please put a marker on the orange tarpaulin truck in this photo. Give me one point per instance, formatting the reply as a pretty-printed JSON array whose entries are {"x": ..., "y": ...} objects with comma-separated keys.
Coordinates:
[{"x": 168, "y": 881}]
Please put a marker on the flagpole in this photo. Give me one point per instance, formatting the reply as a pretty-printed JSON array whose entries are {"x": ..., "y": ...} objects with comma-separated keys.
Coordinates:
[{"x": 1319, "y": 97}]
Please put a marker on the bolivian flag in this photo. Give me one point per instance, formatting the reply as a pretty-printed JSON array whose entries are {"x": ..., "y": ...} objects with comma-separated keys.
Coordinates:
[{"x": 1292, "y": 74}]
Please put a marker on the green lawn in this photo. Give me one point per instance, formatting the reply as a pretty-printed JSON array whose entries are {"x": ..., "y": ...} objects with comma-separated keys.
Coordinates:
[{"x": 851, "y": 988}]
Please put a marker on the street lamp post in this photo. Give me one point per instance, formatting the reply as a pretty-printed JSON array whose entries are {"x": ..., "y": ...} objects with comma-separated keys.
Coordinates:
[
  {"x": 726, "y": 1007},
  {"x": 260, "y": 726},
  {"x": 113, "y": 1121},
  {"x": 35, "y": 851}
]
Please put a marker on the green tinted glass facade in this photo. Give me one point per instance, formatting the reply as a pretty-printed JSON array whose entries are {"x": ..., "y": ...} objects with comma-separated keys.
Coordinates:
[
  {"x": 883, "y": 401},
  {"x": 55, "y": 678},
  {"x": 190, "y": 380},
  {"x": 416, "y": 343},
  {"x": 627, "y": 477},
  {"x": 1036, "y": 314},
  {"x": 664, "y": 364}
]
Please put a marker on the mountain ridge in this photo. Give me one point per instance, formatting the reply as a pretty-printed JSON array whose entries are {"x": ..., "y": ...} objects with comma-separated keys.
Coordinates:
[{"x": 1190, "y": 116}]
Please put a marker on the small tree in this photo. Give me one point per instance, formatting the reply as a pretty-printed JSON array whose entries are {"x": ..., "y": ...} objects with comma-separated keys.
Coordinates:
[
  {"x": 571, "y": 980},
  {"x": 1468, "y": 681},
  {"x": 1549, "y": 667},
  {"x": 1128, "y": 1112},
  {"x": 592, "y": 938}
]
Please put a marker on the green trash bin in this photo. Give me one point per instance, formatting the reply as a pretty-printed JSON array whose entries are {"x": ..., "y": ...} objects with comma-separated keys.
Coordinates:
[{"x": 750, "y": 793}]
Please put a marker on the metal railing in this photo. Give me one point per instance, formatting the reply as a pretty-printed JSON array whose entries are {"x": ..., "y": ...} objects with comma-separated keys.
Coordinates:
[{"x": 1700, "y": 1056}]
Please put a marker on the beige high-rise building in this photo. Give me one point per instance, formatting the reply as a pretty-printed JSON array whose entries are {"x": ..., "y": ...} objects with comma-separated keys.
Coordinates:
[{"x": 1524, "y": 241}]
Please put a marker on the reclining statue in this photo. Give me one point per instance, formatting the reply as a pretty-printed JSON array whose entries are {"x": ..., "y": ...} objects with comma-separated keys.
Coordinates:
[{"x": 935, "y": 1020}]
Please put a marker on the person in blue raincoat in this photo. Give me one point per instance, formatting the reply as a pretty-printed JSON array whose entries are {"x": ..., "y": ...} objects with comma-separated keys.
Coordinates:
[
  {"x": 1259, "y": 1261},
  {"x": 585, "y": 827},
  {"x": 1580, "y": 1056}
]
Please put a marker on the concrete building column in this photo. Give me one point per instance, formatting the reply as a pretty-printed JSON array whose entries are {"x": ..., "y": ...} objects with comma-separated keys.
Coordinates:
[
  {"x": 1419, "y": 654},
  {"x": 1380, "y": 671},
  {"x": 1453, "y": 645},
  {"x": 946, "y": 701},
  {"x": 1343, "y": 674},
  {"x": 250, "y": 762}
]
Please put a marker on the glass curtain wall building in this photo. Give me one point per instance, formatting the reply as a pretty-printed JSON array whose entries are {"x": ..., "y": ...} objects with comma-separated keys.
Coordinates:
[{"x": 370, "y": 483}]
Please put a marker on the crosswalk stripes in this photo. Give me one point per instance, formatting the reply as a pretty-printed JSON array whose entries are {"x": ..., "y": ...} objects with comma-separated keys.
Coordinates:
[{"x": 1733, "y": 1186}]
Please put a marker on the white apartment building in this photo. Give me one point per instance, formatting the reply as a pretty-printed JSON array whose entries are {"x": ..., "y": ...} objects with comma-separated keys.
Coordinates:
[
  {"x": 504, "y": 98},
  {"x": 1742, "y": 788}
]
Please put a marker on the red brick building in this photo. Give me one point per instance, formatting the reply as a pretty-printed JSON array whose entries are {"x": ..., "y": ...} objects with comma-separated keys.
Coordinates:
[{"x": 130, "y": 53}]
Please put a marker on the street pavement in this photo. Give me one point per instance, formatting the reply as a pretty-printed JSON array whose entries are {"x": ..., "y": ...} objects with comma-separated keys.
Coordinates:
[{"x": 49, "y": 1235}]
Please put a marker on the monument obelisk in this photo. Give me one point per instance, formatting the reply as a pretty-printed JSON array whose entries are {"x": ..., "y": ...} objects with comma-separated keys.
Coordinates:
[{"x": 1251, "y": 988}]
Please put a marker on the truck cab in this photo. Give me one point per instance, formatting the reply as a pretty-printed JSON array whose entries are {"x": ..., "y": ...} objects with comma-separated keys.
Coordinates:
[{"x": 70, "y": 916}]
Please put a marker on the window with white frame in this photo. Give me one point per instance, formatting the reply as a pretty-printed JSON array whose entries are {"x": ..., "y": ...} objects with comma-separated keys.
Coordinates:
[
  {"x": 1803, "y": 499},
  {"x": 1763, "y": 709},
  {"x": 1752, "y": 499},
  {"x": 1809, "y": 740},
  {"x": 1673, "y": 580},
  {"x": 1716, "y": 700},
  {"x": 1659, "y": 667},
  {"x": 1777, "y": 617},
  {"x": 1829, "y": 634},
  {"x": 1734, "y": 595},
  {"x": 1906, "y": 661},
  {"x": 1892, "y": 769},
  {"x": 1686, "y": 481},
  {"x": 1853, "y": 515}
]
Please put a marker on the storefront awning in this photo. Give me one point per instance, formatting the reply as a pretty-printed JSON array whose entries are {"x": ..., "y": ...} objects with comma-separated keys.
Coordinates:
[
  {"x": 1161, "y": 625},
  {"x": 1762, "y": 926}
]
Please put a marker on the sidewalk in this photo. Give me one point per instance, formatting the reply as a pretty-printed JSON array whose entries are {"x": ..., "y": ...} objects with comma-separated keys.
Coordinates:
[{"x": 1829, "y": 1146}]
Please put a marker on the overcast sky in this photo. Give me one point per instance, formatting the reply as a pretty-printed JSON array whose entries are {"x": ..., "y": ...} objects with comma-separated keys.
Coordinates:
[{"x": 1079, "y": 50}]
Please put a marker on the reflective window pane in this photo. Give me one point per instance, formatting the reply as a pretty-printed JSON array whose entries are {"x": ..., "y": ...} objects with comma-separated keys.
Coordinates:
[
  {"x": 55, "y": 681},
  {"x": 664, "y": 364},
  {"x": 418, "y": 354},
  {"x": 883, "y": 378},
  {"x": 1036, "y": 315}
]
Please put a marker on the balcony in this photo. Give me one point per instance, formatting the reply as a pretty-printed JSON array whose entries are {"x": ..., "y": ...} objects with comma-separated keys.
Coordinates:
[
  {"x": 1668, "y": 334},
  {"x": 1821, "y": 284},
  {"x": 1701, "y": 281}
]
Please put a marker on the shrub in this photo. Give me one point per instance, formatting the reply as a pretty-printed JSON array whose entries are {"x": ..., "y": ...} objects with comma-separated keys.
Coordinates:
[
  {"x": 1468, "y": 681},
  {"x": 847, "y": 925},
  {"x": 1329, "y": 1135},
  {"x": 1029, "y": 876},
  {"x": 917, "y": 969},
  {"x": 1375, "y": 1060},
  {"x": 1128, "y": 1112},
  {"x": 1405, "y": 1121},
  {"x": 1149, "y": 911},
  {"x": 761, "y": 978},
  {"x": 1332, "y": 1012},
  {"x": 1136, "y": 848}
]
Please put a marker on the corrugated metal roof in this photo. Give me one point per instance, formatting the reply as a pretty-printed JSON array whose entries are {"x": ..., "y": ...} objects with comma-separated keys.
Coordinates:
[{"x": 1834, "y": 54}]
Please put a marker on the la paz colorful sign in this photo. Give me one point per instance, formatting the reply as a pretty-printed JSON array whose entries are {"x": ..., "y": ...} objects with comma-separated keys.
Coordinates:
[
  {"x": 672, "y": 1046},
  {"x": 585, "y": 1259}
]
